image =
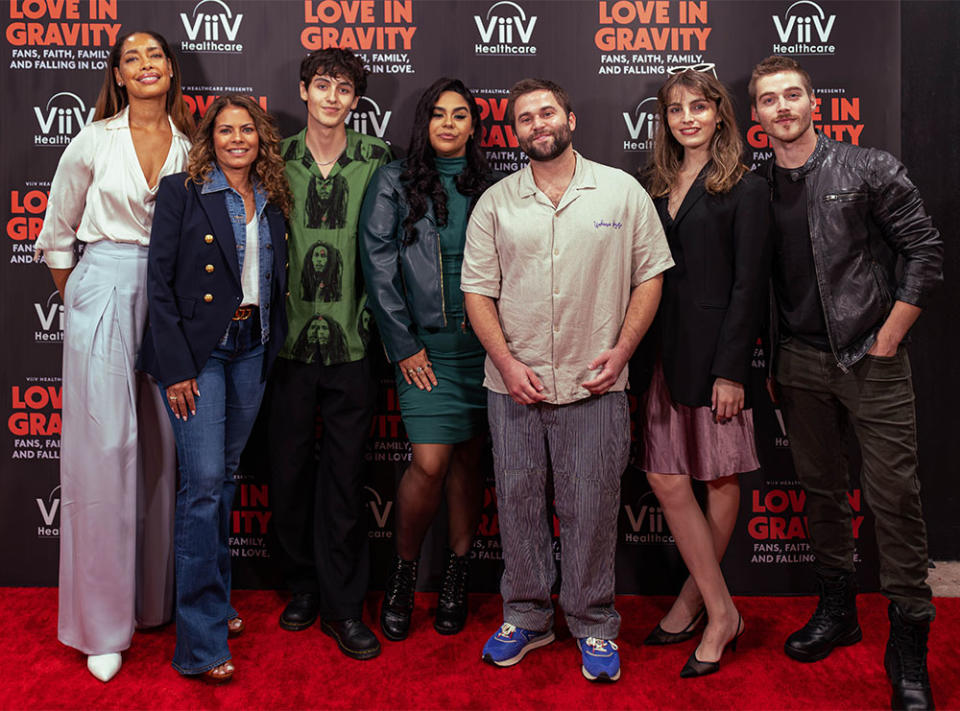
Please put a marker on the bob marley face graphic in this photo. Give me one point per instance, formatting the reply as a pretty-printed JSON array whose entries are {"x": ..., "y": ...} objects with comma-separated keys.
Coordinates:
[
  {"x": 364, "y": 324},
  {"x": 322, "y": 273},
  {"x": 320, "y": 258},
  {"x": 318, "y": 333}
]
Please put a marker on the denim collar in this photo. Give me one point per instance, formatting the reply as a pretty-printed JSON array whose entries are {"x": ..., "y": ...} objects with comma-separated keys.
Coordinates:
[{"x": 217, "y": 182}]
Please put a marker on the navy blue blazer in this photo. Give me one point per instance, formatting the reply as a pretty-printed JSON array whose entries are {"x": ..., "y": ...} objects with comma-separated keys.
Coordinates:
[{"x": 193, "y": 281}]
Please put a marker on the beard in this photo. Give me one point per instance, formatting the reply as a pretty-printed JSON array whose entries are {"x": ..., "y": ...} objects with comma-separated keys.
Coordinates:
[{"x": 562, "y": 138}]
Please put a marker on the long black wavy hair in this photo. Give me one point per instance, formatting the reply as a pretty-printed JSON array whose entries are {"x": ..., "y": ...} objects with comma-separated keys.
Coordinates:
[{"x": 421, "y": 179}]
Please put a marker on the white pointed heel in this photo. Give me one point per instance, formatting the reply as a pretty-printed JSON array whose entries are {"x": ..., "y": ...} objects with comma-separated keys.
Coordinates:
[{"x": 104, "y": 666}]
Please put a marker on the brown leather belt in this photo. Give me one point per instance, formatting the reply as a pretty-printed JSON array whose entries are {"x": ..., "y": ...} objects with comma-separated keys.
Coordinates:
[{"x": 243, "y": 313}]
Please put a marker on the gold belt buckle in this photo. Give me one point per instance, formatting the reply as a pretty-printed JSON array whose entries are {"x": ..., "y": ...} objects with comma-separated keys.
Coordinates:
[{"x": 243, "y": 313}]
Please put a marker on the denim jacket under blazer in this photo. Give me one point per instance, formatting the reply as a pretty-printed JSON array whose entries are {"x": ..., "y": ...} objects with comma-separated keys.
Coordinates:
[
  {"x": 404, "y": 283},
  {"x": 194, "y": 273}
]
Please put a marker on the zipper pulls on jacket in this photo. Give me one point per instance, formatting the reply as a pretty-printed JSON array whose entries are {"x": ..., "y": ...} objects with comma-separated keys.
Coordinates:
[{"x": 443, "y": 301}]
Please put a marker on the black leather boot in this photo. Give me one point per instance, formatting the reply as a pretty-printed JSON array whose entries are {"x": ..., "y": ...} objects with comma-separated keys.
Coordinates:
[
  {"x": 906, "y": 662},
  {"x": 398, "y": 599},
  {"x": 834, "y": 622},
  {"x": 452, "y": 603}
]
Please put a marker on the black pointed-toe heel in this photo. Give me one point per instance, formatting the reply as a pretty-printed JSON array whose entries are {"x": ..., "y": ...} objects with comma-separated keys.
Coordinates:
[
  {"x": 660, "y": 636},
  {"x": 694, "y": 667}
]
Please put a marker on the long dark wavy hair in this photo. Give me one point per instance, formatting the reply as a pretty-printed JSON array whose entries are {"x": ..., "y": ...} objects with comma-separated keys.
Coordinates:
[
  {"x": 268, "y": 166},
  {"x": 113, "y": 98},
  {"x": 421, "y": 179},
  {"x": 726, "y": 148}
]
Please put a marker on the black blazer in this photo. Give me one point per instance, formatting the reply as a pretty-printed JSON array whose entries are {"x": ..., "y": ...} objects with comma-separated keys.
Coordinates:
[
  {"x": 193, "y": 281},
  {"x": 714, "y": 298}
]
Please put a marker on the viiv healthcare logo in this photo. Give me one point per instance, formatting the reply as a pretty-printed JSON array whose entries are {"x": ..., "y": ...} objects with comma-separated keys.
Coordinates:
[
  {"x": 641, "y": 126},
  {"x": 50, "y": 318},
  {"x": 646, "y": 522},
  {"x": 49, "y": 512},
  {"x": 368, "y": 118},
  {"x": 61, "y": 119},
  {"x": 380, "y": 510},
  {"x": 506, "y": 29},
  {"x": 212, "y": 27},
  {"x": 804, "y": 29}
]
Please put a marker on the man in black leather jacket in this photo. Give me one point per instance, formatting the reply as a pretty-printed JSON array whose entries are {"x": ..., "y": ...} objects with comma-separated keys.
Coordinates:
[{"x": 855, "y": 260}]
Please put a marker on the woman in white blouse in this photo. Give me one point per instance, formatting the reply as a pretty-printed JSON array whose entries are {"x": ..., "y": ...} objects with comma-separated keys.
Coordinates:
[{"x": 117, "y": 465}]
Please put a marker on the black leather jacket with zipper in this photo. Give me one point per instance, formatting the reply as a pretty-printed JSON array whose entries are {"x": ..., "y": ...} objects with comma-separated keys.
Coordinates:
[
  {"x": 873, "y": 243},
  {"x": 404, "y": 281}
]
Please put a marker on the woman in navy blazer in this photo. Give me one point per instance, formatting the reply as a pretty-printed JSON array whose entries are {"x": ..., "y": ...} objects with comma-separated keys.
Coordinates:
[
  {"x": 716, "y": 217},
  {"x": 216, "y": 284}
]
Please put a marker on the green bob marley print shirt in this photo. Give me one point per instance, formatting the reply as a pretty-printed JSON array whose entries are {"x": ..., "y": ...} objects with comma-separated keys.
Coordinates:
[{"x": 326, "y": 304}]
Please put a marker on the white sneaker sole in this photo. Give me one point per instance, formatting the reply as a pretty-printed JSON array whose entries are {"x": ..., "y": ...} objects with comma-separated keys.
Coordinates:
[
  {"x": 602, "y": 677},
  {"x": 536, "y": 643}
]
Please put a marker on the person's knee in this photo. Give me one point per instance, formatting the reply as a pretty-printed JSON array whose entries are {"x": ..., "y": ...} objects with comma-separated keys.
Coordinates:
[
  {"x": 432, "y": 468},
  {"x": 668, "y": 488}
]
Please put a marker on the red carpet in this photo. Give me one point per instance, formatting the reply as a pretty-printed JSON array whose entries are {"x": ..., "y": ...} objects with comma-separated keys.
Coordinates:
[{"x": 277, "y": 669}]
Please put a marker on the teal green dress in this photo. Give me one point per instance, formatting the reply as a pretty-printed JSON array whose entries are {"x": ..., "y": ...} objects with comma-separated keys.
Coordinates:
[{"x": 455, "y": 410}]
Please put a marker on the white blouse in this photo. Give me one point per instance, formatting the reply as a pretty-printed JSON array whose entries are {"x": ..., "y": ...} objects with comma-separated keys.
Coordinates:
[
  {"x": 250, "y": 278},
  {"x": 99, "y": 190}
]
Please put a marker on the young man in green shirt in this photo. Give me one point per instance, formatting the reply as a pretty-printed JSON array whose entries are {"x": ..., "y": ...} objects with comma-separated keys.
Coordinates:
[{"x": 317, "y": 492}]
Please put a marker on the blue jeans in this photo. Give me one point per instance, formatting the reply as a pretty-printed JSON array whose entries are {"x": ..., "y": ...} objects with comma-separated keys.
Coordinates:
[{"x": 209, "y": 445}]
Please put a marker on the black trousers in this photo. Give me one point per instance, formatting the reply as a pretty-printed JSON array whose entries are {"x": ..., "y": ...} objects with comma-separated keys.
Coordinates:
[
  {"x": 876, "y": 398},
  {"x": 319, "y": 517}
]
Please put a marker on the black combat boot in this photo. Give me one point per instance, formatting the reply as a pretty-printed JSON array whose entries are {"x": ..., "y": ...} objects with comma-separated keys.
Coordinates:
[
  {"x": 452, "y": 604},
  {"x": 834, "y": 622},
  {"x": 398, "y": 599},
  {"x": 906, "y": 662}
]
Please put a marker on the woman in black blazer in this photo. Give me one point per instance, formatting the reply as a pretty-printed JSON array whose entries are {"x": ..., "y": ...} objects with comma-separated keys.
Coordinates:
[
  {"x": 716, "y": 216},
  {"x": 216, "y": 284}
]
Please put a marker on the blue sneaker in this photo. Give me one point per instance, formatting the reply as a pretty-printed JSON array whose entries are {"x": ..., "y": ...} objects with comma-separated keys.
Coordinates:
[
  {"x": 601, "y": 661},
  {"x": 509, "y": 643}
]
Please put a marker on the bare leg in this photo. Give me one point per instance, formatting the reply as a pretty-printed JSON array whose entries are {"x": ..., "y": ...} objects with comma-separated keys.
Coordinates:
[
  {"x": 418, "y": 496},
  {"x": 465, "y": 493},
  {"x": 694, "y": 539},
  {"x": 723, "y": 503}
]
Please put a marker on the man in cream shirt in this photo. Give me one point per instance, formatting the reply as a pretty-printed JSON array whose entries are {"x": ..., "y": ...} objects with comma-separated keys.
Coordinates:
[{"x": 562, "y": 277}]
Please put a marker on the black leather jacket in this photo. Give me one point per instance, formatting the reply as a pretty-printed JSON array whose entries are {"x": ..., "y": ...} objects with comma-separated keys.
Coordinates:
[
  {"x": 864, "y": 214},
  {"x": 404, "y": 282}
]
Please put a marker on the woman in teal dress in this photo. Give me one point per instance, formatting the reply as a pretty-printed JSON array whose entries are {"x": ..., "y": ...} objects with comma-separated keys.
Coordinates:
[{"x": 412, "y": 232}]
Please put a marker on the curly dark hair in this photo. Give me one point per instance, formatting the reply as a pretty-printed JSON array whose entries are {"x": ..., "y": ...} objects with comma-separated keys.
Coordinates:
[
  {"x": 420, "y": 177},
  {"x": 269, "y": 164},
  {"x": 335, "y": 62}
]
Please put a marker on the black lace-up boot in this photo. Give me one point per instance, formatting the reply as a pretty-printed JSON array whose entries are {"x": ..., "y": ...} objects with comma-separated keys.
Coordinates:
[
  {"x": 398, "y": 599},
  {"x": 452, "y": 604},
  {"x": 834, "y": 622},
  {"x": 906, "y": 662}
]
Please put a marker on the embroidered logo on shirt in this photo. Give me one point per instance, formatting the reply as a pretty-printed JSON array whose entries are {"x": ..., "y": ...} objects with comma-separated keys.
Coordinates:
[{"x": 597, "y": 224}]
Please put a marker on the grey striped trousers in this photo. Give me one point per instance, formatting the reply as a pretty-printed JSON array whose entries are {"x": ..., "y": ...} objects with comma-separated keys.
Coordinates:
[{"x": 587, "y": 443}]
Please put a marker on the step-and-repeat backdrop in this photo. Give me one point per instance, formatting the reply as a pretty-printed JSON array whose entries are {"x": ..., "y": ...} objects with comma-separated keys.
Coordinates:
[{"x": 611, "y": 55}]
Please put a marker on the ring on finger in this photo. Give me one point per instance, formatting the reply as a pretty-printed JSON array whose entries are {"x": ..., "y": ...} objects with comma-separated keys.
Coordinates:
[
  {"x": 173, "y": 398},
  {"x": 419, "y": 369}
]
